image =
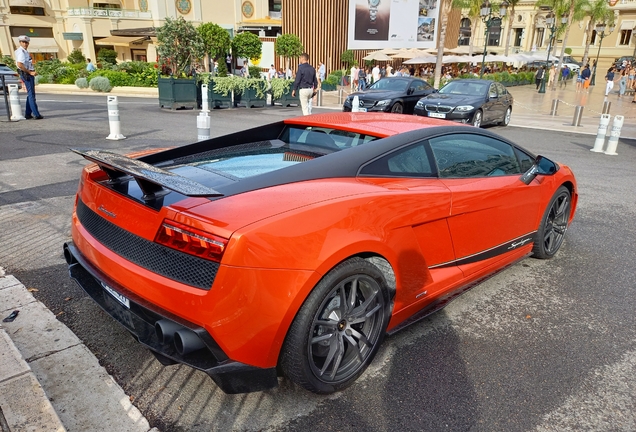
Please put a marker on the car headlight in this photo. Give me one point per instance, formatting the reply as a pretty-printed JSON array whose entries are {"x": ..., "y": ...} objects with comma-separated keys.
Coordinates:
[
  {"x": 464, "y": 108},
  {"x": 383, "y": 102},
  {"x": 419, "y": 104}
]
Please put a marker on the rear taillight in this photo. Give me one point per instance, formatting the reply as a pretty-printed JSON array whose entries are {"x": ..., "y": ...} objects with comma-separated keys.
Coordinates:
[{"x": 191, "y": 241}]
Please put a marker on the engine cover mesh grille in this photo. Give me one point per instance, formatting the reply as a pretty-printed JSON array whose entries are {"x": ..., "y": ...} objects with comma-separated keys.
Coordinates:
[{"x": 170, "y": 263}]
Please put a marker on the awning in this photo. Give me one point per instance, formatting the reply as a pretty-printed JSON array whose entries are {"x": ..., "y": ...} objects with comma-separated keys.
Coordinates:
[
  {"x": 263, "y": 22},
  {"x": 627, "y": 25},
  {"x": 29, "y": 3},
  {"x": 122, "y": 41},
  {"x": 40, "y": 45}
]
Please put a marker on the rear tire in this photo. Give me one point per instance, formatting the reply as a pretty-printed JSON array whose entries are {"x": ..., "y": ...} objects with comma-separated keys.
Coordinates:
[
  {"x": 554, "y": 224},
  {"x": 338, "y": 329},
  {"x": 506, "y": 118}
]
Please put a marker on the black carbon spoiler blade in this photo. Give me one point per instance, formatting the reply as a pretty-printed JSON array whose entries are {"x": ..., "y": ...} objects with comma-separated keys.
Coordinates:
[{"x": 153, "y": 181}]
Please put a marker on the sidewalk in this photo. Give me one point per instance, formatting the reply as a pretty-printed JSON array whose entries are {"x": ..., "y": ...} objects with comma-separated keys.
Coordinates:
[{"x": 50, "y": 381}]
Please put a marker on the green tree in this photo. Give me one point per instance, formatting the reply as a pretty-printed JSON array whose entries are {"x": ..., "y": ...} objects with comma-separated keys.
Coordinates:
[
  {"x": 76, "y": 57},
  {"x": 108, "y": 56},
  {"x": 288, "y": 46},
  {"x": 348, "y": 58},
  {"x": 179, "y": 46},
  {"x": 216, "y": 41},
  {"x": 599, "y": 12},
  {"x": 247, "y": 45}
]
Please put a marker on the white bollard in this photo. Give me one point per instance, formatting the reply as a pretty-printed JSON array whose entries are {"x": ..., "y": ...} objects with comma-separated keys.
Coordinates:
[
  {"x": 203, "y": 126},
  {"x": 615, "y": 133},
  {"x": 14, "y": 99},
  {"x": 205, "y": 105},
  {"x": 602, "y": 131},
  {"x": 113, "y": 119},
  {"x": 355, "y": 104}
]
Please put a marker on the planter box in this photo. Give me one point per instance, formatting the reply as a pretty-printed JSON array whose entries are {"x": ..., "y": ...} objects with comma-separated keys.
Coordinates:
[
  {"x": 250, "y": 99},
  {"x": 286, "y": 100},
  {"x": 328, "y": 87},
  {"x": 176, "y": 93},
  {"x": 218, "y": 100}
]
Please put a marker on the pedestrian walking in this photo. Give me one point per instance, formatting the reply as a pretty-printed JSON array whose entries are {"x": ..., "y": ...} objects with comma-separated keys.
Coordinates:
[
  {"x": 305, "y": 83},
  {"x": 622, "y": 84},
  {"x": 27, "y": 74},
  {"x": 565, "y": 74},
  {"x": 609, "y": 79},
  {"x": 362, "y": 79},
  {"x": 322, "y": 71},
  {"x": 538, "y": 76},
  {"x": 586, "y": 77},
  {"x": 551, "y": 75}
]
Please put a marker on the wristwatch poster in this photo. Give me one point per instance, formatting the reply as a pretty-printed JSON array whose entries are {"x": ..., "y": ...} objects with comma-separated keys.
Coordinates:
[{"x": 373, "y": 9}]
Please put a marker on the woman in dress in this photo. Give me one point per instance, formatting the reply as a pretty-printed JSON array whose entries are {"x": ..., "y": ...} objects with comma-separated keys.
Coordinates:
[{"x": 622, "y": 84}]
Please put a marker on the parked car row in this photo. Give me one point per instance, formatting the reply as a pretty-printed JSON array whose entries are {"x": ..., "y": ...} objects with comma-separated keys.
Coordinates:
[{"x": 473, "y": 101}]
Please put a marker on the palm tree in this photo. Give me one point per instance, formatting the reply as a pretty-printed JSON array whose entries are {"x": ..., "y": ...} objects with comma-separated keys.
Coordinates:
[
  {"x": 598, "y": 11},
  {"x": 511, "y": 16},
  {"x": 575, "y": 12},
  {"x": 446, "y": 6}
]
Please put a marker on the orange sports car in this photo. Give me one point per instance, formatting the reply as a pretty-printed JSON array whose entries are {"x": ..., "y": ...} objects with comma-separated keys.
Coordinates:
[{"x": 293, "y": 248}]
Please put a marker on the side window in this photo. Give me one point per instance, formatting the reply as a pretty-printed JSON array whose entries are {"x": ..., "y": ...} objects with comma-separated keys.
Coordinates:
[
  {"x": 418, "y": 86},
  {"x": 501, "y": 89},
  {"x": 412, "y": 161},
  {"x": 492, "y": 91},
  {"x": 464, "y": 155},
  {"x": 525, "y": 159}
]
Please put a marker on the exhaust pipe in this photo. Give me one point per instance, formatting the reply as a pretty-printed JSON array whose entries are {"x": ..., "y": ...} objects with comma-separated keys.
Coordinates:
[
  {"x": 68, "y": 256},
  {"x": 165, "y": 330},
  {"x": 187, "y": 341}
]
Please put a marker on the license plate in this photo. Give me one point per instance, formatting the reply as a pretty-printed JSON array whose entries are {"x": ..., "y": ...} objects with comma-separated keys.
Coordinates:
[
  {"x": 118, "y": 312},
  {"x": 362, "y": 110},
  {"x": 437, "y": 115},
  {"x": 120, "y": 298}
]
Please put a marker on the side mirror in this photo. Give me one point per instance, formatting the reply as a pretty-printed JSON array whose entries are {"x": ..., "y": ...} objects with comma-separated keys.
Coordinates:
[
  {"x": 541, "y": 165},
  {"x": 410, "y": 91},
  {"x": 493, "y": 96}
]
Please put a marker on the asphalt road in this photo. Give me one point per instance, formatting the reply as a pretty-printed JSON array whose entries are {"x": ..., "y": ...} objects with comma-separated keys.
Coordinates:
[{"x": 544, "y": 345}]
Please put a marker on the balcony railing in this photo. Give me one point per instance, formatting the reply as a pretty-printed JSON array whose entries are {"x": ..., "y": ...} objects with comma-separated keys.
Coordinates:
[{"x": 108, "y": 13}]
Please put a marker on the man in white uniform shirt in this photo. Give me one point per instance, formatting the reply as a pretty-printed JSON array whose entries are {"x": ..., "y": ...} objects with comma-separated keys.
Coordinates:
[{"x": 27, "y": 74}]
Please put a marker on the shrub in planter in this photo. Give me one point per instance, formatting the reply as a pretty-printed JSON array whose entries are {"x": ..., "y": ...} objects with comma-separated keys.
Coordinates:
[
  {"x": 116, "y": 78},
  {"x": 100, "y": 84},
  {"x": 281, "y": 92},
  {"x": 331, "y": 83},
  {"x": 106, "y": 55},
  {"x": 255, "y": 71},
  {"x": 76, "y": 57},
  {"x": 81, "y": 83}
]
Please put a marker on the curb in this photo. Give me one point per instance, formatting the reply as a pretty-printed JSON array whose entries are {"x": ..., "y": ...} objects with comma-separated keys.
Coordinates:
[{"x": 60, "y": 383}]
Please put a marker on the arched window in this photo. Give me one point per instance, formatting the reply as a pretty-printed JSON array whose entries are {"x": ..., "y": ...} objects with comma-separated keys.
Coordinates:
[{"x": 464, "y": 32}]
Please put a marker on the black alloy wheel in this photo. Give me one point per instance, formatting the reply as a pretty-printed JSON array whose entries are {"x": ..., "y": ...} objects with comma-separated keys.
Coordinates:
[
  {"x": 554, "y": 224},
  {"x": 339, "y": 328}
]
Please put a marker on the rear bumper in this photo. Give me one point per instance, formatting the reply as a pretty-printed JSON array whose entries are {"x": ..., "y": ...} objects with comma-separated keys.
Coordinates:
[{"x": 140, "y": 319}]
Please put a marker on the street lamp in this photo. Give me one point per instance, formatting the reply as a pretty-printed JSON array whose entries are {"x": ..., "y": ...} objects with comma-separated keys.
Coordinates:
[
  {"x": 489, "y": 18},
  {"x": 550, "y": 21},
  {"x": 600, "y": 32}
]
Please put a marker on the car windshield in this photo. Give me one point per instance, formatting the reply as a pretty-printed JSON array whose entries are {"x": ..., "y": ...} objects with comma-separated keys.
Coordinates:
[
  {"x": 465, "y": 88},
  {"x": 390, "y": 84}
]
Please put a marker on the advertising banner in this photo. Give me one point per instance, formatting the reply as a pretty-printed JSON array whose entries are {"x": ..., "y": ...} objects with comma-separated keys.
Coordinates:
[{"x": 377, "y": 24}]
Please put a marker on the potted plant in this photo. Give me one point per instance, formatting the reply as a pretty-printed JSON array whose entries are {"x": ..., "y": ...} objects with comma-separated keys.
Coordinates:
[
  {"x": 220, "y": 90},
  {"x": 250, "y": 92},
  {"x": 179, "y": 46},
  {"x": 281, "y": 92}
]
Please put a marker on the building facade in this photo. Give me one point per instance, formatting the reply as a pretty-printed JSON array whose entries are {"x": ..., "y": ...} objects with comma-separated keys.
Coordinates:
[{"x": 57, "y": 27}]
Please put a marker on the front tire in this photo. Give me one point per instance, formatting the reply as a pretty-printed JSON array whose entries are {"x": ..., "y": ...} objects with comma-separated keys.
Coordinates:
[
  {"x": 477, "y": 119},
  {"x": 554, "y": 224},
  {"x": 397, "y": 108},
  {"x": 339, "y": 328}
]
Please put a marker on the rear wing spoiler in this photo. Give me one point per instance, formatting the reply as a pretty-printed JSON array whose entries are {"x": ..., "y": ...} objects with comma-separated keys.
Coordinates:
[{"x": 153, "y": 181}]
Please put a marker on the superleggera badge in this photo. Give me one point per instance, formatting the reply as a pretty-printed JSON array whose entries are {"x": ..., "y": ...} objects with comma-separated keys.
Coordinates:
[{"x": 103, "y": 210}]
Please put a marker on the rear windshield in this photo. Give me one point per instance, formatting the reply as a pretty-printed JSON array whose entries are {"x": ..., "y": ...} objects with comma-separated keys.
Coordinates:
[{"x": 296, "y": 144}]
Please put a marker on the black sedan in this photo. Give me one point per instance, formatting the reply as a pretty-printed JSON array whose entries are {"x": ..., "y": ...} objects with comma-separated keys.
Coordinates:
[
  {"x": 10, "y": 77},
  {"x": 474, "y": 101},
  {"x": 392, "y": 94}
]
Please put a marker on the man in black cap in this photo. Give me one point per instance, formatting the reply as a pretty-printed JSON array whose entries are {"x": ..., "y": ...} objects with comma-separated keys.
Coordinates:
[{"x": 27, "y": 73}]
